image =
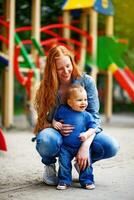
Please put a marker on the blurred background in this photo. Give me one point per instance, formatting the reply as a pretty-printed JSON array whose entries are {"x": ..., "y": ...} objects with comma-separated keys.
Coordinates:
[{"x": 52, "y": 12}]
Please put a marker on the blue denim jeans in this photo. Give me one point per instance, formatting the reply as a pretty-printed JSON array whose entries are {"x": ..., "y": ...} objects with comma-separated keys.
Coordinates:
[
  {"x": 65, "y": 167},
  {"x": 49, "y": 142}
]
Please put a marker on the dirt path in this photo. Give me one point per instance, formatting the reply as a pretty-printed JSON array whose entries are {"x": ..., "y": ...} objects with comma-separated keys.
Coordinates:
[{"x": 21, "y": 169}]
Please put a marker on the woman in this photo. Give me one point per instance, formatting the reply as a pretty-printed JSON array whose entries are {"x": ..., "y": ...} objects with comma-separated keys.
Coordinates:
[{"x": 60, "y": 72}]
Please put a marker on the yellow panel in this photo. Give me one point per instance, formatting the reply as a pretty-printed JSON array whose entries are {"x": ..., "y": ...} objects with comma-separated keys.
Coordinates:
[{"x": 78, "y": 4}]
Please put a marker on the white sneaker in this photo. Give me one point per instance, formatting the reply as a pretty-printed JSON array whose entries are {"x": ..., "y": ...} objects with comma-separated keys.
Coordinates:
[
  {"x": 62, "y": 186},
  {"x": 50, "y": 175}
]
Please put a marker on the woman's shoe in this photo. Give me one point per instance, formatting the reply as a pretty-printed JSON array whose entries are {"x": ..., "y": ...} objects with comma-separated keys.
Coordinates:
[
  {"x": 77, "y": 167},
  {"x": 50, "y": 175}
]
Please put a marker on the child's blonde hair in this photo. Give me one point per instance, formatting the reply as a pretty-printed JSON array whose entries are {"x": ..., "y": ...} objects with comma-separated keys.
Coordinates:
[{"x": 74, "y": 88}]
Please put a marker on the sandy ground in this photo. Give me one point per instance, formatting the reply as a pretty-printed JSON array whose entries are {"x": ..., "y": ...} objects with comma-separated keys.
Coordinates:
[{"x": 21, "y": 170}]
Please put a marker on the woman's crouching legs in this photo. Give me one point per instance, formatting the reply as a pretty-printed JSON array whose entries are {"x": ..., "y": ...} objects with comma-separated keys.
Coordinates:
[
  {"x": 48, "y": 145},
  {"x": 104, "y": 146}
]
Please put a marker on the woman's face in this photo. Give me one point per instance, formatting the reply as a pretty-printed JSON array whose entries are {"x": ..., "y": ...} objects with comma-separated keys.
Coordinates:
[{"x": 64, "y": 69}]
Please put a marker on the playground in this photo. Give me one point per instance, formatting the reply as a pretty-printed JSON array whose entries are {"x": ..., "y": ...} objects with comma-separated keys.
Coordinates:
[{"x": 98, "y": 52}]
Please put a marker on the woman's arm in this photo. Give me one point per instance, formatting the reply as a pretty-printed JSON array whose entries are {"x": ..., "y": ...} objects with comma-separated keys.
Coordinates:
[
  {"x": 82, "y": 156},
  {"x": 93, "y": 100}
]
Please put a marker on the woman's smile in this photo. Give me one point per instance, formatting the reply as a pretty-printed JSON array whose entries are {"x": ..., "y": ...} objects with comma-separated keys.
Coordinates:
[{"x": 64, "y": 68}]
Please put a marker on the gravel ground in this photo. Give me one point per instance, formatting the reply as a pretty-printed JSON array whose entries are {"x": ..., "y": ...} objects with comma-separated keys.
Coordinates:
[{"x": 21, "y": 169}]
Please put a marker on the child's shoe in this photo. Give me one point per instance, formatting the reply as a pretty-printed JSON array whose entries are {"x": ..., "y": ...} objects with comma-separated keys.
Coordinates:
[
  {"x": 89, "y": 186},
  {"x": 62, "y": 186}
]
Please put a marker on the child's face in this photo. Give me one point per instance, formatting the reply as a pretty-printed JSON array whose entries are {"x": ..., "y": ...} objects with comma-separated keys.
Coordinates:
[{"x": 78, "y": 101}]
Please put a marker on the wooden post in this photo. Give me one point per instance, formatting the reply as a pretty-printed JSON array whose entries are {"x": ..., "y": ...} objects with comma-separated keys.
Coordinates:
[
  {"x": 109, "y": 26},
  {"x": 36, "y": 20},
  {"x": 83, "y": 40},
  {"x": 109, "y": 79},
  {"x": 108, "y": 95},
  {"x": 8, "y": 110},
  {"x": 66, "y": 20},
  {"x": 93, "y": 32},
  {"x": 4, "y": 50},
  {"x": 36, "y": 13}
]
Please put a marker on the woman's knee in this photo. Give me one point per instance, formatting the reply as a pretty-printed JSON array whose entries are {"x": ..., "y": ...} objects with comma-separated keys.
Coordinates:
[
  {"x": 48, "y": 142},
  {"x": 111, "y": 146},
  {"x": 105, "y": 145},
  {"x": 114, "y": 147}
]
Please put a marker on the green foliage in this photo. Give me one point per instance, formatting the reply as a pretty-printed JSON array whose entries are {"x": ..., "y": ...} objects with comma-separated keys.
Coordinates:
[
  {"x": 50, "y": 11},
  {"x": 23, "y": 12},
  {"x": 124, "y": 26}
]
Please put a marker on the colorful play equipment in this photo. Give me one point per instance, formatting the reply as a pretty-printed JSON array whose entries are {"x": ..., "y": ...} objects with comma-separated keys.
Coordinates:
[
  {"x": 123, "y": 79},
  {"x": 3, "y": 145},
  {"x": 111, "y": 58},
  {"x": 8, "y": 50},
  {"x": 102, "y": 53}
]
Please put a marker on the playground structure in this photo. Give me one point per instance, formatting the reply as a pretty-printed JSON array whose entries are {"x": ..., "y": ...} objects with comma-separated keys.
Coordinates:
[
  {"x": 105, "y": 52},
  {"x": 8, "y": 39},
  {"x": 3, "y": 145}
]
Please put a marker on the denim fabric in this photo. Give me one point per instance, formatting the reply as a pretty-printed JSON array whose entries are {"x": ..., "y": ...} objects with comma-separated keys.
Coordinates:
[
  {"x": 81, "y": 121},
  {"x": 65, "y": 168},
  {"x": 49, "y": 142}
]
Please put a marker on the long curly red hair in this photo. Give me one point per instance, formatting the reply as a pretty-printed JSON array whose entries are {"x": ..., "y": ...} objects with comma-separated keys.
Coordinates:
[{"x": 46, "y": 94}]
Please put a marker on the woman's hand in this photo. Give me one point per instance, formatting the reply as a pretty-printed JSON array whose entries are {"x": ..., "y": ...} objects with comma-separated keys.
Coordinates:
[
  {"x": 57, "y": 125},
  {"x": 66, "y": 129}
]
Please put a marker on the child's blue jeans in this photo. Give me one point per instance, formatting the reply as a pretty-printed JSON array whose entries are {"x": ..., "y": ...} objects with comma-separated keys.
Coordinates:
[{"x": 65, "y": 167}]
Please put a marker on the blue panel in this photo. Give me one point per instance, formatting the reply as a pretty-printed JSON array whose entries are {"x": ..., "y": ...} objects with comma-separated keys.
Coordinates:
[{"x": 104, "y": 7}]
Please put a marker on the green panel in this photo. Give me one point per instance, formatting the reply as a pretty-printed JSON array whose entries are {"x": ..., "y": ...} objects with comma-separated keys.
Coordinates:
[{"x": 110, "y": 50}]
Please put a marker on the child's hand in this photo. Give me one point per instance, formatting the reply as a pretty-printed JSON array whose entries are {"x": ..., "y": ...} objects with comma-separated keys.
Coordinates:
[
  {"x": 83, "y": 136},
  {"x": 57, "y": 125}
]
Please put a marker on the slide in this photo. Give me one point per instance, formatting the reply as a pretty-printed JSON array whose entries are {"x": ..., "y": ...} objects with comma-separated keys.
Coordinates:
[
  {"x": 3, "y": 145},
  {"x": 110, "y": 57},
  {"x": 129, "y": 73},
  {"x": 124, "y": 78}
]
